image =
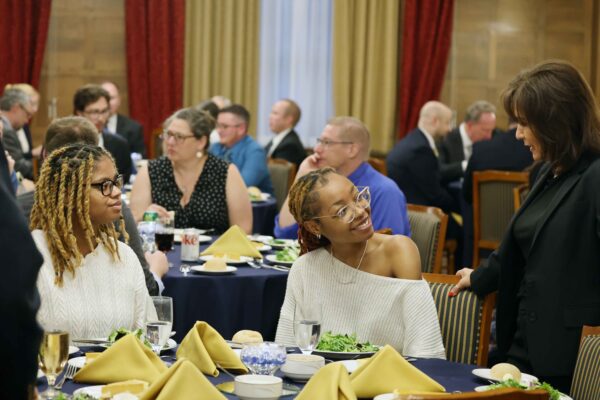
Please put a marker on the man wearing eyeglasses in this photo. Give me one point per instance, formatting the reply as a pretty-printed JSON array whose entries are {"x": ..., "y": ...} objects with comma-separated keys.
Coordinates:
[
  {"x": 15, "y": 112},
  {"x": 92, "y": 103},
  {"x": 344, "y": 145},
  {"x": 237, "y": 147}
]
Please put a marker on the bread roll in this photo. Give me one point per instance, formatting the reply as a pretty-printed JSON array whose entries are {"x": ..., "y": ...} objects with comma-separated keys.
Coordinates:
[
  {"x": 215, "y": 264},
  {"x": 504, "y": 371},
  {"x": 247, "y": 336}
]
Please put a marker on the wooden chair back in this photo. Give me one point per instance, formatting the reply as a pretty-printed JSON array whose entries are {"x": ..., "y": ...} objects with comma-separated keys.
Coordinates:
[
  {"x": 282, "y": 174},
  {"x": 156, "y": 143},
  {"x": 378, "y": 164},
  {"x": 493, "y": 207},
  {"x": 586, "y": 377},
  {"x": 428, "y": 231},
  {"x": 465, "y": 320},
  {"x": 520, "y": 194}
]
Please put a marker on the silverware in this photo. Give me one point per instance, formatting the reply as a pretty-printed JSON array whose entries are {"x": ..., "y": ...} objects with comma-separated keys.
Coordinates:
[
  {"x": 69, "y": 374},
  {"x": 254, "y": 265},
  {"x": 220, "y": 368},
  {"x": 92, "y": 341}
]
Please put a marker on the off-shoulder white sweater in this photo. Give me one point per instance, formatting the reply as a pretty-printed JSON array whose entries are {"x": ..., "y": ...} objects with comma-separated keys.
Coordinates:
[
  {"x": 382, "y": 310},
  {"x": 103, "y": 295}
]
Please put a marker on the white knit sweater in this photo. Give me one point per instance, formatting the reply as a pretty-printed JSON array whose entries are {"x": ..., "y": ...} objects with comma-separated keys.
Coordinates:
[
  {"x": 382, "y": 310},
  {"x": 102, "y": 296}
]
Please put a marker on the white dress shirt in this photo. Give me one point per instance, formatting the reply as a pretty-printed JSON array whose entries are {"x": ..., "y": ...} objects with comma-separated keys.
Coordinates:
[{"x": 277, "y": 139}]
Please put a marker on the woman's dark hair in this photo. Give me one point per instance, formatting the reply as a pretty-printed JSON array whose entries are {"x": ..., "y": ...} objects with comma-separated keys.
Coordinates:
[
  {"x": 200, "y": 122},
  {"x": 554, "y": 100}
]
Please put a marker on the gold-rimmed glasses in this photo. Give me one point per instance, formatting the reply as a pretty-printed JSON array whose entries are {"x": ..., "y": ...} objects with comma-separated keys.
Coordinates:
[{"x": 347, "y": 213}]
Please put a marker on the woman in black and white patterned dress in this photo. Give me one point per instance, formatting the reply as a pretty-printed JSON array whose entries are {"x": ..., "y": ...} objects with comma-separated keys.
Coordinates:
[{"x": 204, "y": 191}]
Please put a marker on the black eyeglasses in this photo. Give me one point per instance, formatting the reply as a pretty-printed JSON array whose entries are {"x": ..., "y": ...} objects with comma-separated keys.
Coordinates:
[{"x": 106, "y": 187}]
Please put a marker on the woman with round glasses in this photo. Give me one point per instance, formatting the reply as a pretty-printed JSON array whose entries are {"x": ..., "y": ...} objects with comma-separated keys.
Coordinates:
[
  {"x": 90, "y": 283},
  {"x": 366, "y": 283},
  {"x": 203, "y": 190}
]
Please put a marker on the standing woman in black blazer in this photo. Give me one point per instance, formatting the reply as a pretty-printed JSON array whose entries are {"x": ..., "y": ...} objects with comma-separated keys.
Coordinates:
[{"x": 547, "y": 268}]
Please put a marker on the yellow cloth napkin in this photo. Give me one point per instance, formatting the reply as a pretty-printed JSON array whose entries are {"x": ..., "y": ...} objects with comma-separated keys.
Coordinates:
[
  {"x": 233, "y": 243},
  {"x": 126, "y": 359},
  {"x": 205, "y": 347},
  {"x": 182, "y": 381},
  {"x": 331, "y": 382},
  {"x": 386, "y": 371}
]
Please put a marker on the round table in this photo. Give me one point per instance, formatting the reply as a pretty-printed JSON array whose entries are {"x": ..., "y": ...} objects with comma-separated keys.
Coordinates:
[
  {"x": 263, "y": 216},
  {"x": 247, "y": 299}
]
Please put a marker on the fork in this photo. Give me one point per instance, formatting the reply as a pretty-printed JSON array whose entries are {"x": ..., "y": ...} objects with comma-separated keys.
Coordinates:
[
  {"x": 254, "y": 265},
  {"x": 69, "y": 374}
]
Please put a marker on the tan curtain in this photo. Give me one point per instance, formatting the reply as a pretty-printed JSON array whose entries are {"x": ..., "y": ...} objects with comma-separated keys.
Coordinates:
[
  {"x": 365, "y": 65},
  {"x": 222, "y": 52}
]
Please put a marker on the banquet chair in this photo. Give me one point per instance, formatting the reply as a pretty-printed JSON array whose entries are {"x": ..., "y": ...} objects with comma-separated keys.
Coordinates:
[
  {"x": 378, "y": 164},
  {"x": 428, "y": 231},
  {"x": 464, "y": 320},
  {"x": 499, "y": 394},
  {"x": 520, "y": 194},
  {"x": 493, "y": 207},
  {"x": 155, "y": 144},
  {"x": 586, "y": 378},
  {"x": 282, "y": 174}
]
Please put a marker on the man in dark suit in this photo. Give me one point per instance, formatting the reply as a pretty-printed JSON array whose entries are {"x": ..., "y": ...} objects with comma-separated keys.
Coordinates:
[
  {"x": 286, "y": 144},
  {"x": 19, "y": 299},
  {"x": 413, "y": 162},
  {"x": 15, "y": 112},
  {"x": 92, "y": 102},
  {"x": 119, "y": 124},
  {"x": 456, "y": 148}
]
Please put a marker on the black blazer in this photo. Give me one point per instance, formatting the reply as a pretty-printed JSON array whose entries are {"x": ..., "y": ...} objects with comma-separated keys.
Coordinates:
[
  {"x": 118, "y": 147},
  {"x": 19, "y": 299},
  {"x": 563, "y": 293},
  {"x": 133, "y": 132},
  {"x": 416, "y": 170},
  {"x": 290, "y": 149},
  {"x": 452, "y": 155},
  {"x": 503, "y": 152}
]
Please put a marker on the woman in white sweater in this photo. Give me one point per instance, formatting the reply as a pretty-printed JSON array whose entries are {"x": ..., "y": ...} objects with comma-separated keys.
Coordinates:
[
  {"x": 90, "y": 283},
  {"x": 367, "y": 283}
]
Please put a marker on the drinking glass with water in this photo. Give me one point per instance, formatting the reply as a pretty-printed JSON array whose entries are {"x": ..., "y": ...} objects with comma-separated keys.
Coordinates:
[
  {"x": 159, "y": 322},
  {"x": 307, "y": 326}
]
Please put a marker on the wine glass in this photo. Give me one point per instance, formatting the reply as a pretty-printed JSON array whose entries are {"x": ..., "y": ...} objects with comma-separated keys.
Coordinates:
[
  {"x": 307, "y": 326},
  {"x": 53, "y": 355},
  {"x": 159, "y": 322}
]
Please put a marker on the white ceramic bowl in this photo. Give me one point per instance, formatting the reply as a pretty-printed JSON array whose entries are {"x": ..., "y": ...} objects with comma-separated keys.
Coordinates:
[
  {"x": 303, "y": 364},
  {"x": 254, "y": 387}
]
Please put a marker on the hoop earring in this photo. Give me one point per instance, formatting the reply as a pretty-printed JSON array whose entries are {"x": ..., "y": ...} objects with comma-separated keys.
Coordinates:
[{"x": 199, "y": 154}]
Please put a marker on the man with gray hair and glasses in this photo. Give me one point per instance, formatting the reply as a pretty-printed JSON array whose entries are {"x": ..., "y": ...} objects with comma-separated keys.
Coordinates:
[{"x": 16, "y": 111}]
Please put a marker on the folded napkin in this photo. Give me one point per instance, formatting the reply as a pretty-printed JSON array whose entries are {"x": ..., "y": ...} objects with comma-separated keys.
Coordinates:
[
  {"x": 205, "y": 347},
  {"x": 387, "y": 371},
  {"x": 182, "y": 381},
  {"x": 233, "y": 243},
  {"x": 126, "y": 359},
  {"x": 331, "y": 382}
]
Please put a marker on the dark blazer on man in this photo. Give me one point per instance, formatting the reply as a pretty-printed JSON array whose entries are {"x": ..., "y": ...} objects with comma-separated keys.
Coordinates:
[
  {"x": 13, "y": 146},
  {"x": 19, "y": 299},
  {"x": 503, "y": 152},
  {"x": 290, "y": 148},
  {"x": 118, "y": 147},
  {"x": 562, "y": 292},
  {"x": 416, "y": 170},
  {"x": 133, "y": 132},
  {"x": 452, "y": 155}
]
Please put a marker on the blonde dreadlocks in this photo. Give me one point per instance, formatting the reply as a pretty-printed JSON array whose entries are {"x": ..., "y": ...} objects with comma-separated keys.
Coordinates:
[
  {"x": 303, "y": 201},
  {"x": 62, "y": 193}
]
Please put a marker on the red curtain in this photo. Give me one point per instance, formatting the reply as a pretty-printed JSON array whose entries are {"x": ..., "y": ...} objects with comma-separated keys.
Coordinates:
[
  {"x": 23, "y": 29},
  {"x": 425, "y": 47},
  {"x": 155, "y": 31}
]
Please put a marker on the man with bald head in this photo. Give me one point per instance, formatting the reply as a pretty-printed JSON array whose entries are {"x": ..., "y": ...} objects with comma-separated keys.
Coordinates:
[
  {"x": 344, "y": 145},
  {"x": 413, "y": 162},
  {"x": 286, "y": 144}
]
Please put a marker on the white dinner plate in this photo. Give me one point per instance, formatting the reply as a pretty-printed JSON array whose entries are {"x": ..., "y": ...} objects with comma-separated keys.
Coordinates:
[
  {"x": 171, "y": 344},
  {"x": 77, "y": 362},
  {"x": 73, "y": 349},
  {"x": 273, "y": 258},
  {"x": 242, "y": 260},
  {"x": 40, "y": 374},
  {"x": 484, "y": 373},
  {"x": 260, "y": 238},
  {"x": 343, "y": 355},
  {"x": 264, "y": 247},
  {"x": 200, "y": 269},
  {"x": 282, "y": 243},
  {"x": 201, "y": 238},
  {"x": 296, "y": 376},
  {"x": 94, "y": 391},
  {"x": 486, "y": 388},
  {"x": 351, "y": 365},
  {"x": 385, "y": 396}
]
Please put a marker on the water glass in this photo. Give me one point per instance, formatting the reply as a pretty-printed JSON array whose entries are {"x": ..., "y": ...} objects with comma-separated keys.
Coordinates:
[
  {"x": 159, "y": 322},
  {"x": 147, "y": 230},
  {"x": 307, "y": 326},
  {"x": 53, "y": 355},
  {"x": 263, "y": 358}
]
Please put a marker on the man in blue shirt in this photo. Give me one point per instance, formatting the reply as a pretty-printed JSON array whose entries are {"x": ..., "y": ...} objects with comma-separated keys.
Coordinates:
[
  {"x": 344, "y": 146},
  {"x": 237, "y": 147}
]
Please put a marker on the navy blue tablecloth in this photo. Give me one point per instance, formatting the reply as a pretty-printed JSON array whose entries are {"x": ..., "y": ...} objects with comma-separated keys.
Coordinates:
[
  {"x": 263, "y": 216},
  {"x": 248, "y": 299}
]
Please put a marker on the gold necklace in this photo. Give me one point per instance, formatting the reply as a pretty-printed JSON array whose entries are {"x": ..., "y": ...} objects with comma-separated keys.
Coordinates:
[{"x": 357, "y": 268}]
